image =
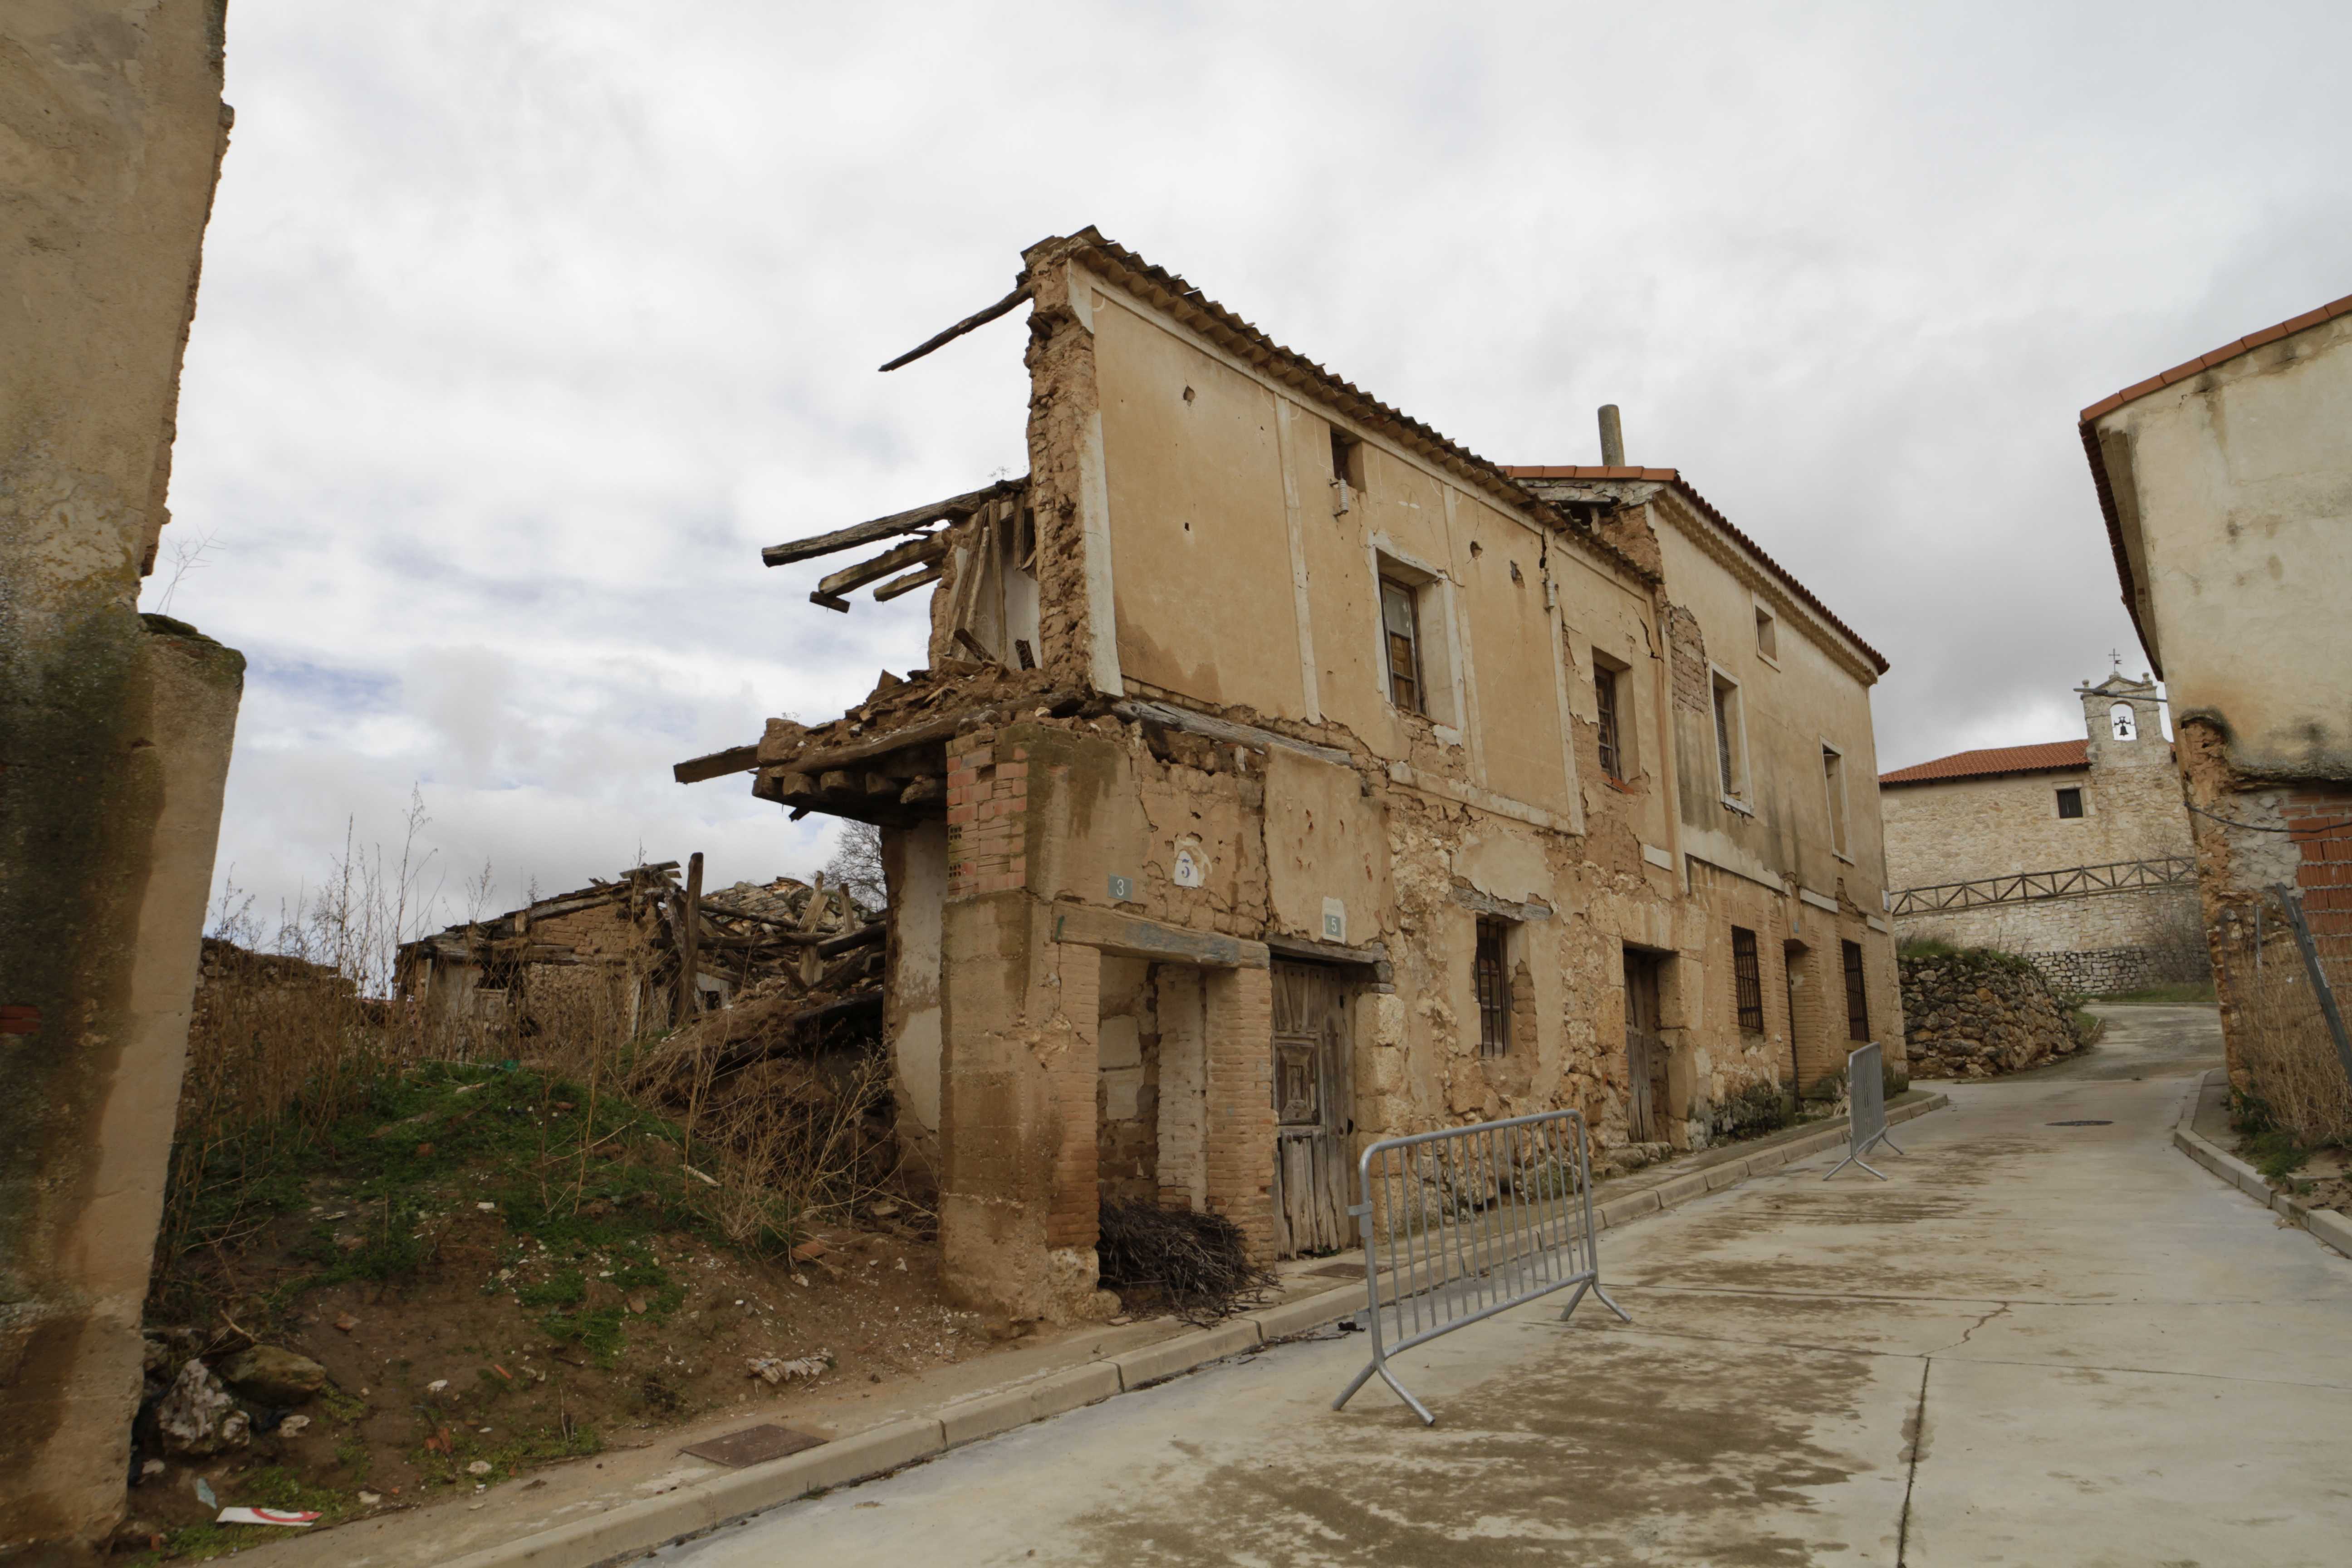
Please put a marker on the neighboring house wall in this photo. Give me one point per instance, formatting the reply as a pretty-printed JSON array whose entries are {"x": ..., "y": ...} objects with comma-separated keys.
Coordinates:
[
  {"x": 115, "y": 727},
  {"x": 1209, "y": 776},
  {"x": 2226, "y": 484}
]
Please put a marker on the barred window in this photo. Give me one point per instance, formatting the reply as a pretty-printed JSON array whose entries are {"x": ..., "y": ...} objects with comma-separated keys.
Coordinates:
[
  {"x": 1748, "y": 977},
  {"x": 1857, "y": 995},
  {"x": 1491, "y": 973}
]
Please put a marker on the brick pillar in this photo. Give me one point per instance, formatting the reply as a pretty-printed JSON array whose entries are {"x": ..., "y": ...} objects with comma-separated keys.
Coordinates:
[
  {"x": 1240, "y": 1059},
  {"x": 1073, "y": 1220}
]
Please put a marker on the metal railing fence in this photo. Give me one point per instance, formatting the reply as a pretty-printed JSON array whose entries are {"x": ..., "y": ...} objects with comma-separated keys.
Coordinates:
[
  {"x": 1865, "y": 1095},
  {"x": 2063, "y": 882},
  {"x": 1463, "y": 1223}
]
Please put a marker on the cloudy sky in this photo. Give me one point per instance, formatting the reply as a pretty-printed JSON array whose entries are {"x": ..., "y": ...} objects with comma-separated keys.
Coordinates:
[{"x": 524, "y": 326}]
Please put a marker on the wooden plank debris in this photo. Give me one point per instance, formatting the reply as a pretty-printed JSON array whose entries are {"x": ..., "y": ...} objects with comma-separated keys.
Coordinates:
[
  {"x": 977, "y": 319},
  {"x": 929, "y": 548},
  {"x": 717, "y": 764},
  {"x": 953, "y": 509}
]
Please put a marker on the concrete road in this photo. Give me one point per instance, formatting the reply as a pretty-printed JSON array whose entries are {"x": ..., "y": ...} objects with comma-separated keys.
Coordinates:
[
  {"x": 2037, "y": 1344},
  {"x": 2143, "y": 1042}
]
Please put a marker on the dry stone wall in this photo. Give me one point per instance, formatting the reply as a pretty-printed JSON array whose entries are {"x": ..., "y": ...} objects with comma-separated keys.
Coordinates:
[{"x": 1975, "y": 1014}]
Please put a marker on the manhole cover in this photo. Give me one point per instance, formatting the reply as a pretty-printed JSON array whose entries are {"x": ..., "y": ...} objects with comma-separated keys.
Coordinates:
[
  {"x": 753, "y": 1445},
  {"x": 2082, "y": 1124}
]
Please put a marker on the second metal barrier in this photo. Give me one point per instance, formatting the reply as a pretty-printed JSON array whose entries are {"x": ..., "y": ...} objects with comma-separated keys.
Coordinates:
[
  {"x": 1465, "y": 1223},
  {"x": 1865, "y": 1098}
]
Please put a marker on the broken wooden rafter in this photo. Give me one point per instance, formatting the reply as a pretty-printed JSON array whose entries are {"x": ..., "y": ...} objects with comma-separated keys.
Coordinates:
[
  {"x": 908, "y": 584},
  {"x": 953, "y": 510},
  {"x": 896, "y": 559},
  {"x": 977, "y": 319},
  {"x": 832, "y": 758},
  {"x": 1215, "y": 729},
  {"x": 717, "y": 764}
]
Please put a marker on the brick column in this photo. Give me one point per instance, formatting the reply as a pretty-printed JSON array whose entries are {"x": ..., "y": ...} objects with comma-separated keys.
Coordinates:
[
  {"x": 1073, "y": 1220},
  {"x": 1240, "y": 1058}
]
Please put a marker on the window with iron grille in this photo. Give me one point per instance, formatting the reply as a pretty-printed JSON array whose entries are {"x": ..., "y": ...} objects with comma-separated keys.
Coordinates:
[
  {"x": 1747, "y": 976},
  {"x": 1401, "y": 635},
  {"x": 1857, "y": 995},
  {"x": 2070, "y": 802},
  {"x": 1604, "y": 692},
  {"x": 1490, "y": 971}
]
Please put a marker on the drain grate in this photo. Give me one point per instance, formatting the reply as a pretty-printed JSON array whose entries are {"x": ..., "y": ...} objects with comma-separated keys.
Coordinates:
[{"x": 2079, "y": 1124}]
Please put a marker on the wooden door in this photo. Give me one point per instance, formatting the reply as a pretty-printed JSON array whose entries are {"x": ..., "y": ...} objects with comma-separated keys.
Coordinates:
[
  {"x": 1314, "y": 1111},
  {"x": 1645, "y": 1051}
]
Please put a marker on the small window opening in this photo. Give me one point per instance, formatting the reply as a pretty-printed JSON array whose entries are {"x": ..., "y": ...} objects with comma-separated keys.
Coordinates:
[
  {"x": 1857, "y": 995},
  {"x": 1768, "y": 637},
  {"x": 1604, "y": 693},
  {"x": 1834, "y": 780},
  {"x": 1491, "y": 975},
  {"x": 2070, "y": 802},
  {"x": 1727, "y": 748},
  {"x": 1747, "y": 980},
  {"x": 2123, "y": 722},
  {"x": 1347, "y": 465},
  {"x": 1400, "y": 637}
]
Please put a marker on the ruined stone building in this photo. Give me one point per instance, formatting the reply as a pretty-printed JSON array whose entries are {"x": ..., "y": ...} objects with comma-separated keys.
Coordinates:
[
  {"x": 2073, "y": 854},
  {"x": 115, "y": 727},
  {"x": 611, "y": 961},
  {"x": 2226, "y": 484},
  {"x": 1284, "y": 776}
]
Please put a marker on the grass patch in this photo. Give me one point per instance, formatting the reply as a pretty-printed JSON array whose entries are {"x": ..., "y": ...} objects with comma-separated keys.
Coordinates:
[
  {"x": 1929, "y": 949},
  {"x": 2180, "y": 995},
  {"x": 443, "y": 1144}
]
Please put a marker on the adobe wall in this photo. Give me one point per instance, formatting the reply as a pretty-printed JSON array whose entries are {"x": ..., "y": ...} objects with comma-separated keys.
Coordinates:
[
  {"x": 2233, "y": 489},
  {"x": 116, "y": 727}
]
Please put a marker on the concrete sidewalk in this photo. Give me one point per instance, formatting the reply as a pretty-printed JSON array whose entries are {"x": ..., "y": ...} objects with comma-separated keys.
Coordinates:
[{"x": 2037, "y": 1344}]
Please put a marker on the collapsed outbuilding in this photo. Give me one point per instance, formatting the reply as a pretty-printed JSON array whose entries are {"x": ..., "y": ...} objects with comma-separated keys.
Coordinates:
[{"x": 1283, "y": 775}]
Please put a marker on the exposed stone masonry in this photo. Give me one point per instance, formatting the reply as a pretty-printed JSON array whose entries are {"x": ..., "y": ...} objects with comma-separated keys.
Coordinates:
[{"x": 1972, "y": 1014}]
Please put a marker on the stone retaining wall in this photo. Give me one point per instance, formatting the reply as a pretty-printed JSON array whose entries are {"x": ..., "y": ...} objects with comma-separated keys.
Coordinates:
[{"x": 1976, "y": 1013}]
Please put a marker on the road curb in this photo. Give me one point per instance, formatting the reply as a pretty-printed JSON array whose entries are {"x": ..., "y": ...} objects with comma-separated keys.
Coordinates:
[
  {"x": 2324, "y": 1225},
  {"x": 632, "y": 1528}
]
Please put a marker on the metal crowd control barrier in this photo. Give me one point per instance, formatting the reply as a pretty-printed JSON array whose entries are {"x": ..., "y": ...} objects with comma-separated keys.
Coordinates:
[
  {"x": 1865, "y": 1098},
  {"x": 1463, "y": 1223}
]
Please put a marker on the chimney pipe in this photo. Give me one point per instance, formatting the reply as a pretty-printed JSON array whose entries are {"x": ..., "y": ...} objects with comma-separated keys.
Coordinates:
[{"x": 1612, "y": 438}]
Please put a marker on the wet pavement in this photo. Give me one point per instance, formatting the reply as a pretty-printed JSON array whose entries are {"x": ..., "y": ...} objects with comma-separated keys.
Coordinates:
[{"x": 2050, "y": 1337}]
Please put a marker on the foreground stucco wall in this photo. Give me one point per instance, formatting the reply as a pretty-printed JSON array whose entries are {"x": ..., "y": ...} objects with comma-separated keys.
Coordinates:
[
  {"x": 115, "y": 730},
  {"x": 2233, "y": 488}
]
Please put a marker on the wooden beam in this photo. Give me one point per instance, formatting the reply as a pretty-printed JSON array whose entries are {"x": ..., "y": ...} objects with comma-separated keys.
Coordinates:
[
  {"x": 921, "y": 517},
  {"x": 1132, "y": 936},
  {"x": 898, "y": 558},
  {"x": 1249, "y": 735},
  {"x": 690, "y": 954},
  {"x": 717, "y": 764},
  {"x": 908, "y": 584},
  {"x": 977, "y": 319},
  {"x": 826, "y": 759}
]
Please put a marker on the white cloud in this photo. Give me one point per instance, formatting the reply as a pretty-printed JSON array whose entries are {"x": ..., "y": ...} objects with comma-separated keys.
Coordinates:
[{"x": 521, "y": 331}]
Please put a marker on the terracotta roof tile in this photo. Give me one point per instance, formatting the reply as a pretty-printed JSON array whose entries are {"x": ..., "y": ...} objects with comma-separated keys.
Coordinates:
[{"x": 2050, "y": 756}]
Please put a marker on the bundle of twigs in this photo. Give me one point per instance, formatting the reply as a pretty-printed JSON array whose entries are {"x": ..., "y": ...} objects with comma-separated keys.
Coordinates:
[{"x": 1196, "y": 1265}]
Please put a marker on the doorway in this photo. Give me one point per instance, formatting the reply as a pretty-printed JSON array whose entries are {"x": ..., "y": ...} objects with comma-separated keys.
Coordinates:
[
  {"x": 1645, "y": 1050},
  {"x": 1314, "y": 1106},
  {"x": 1792, "y": 961}
]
